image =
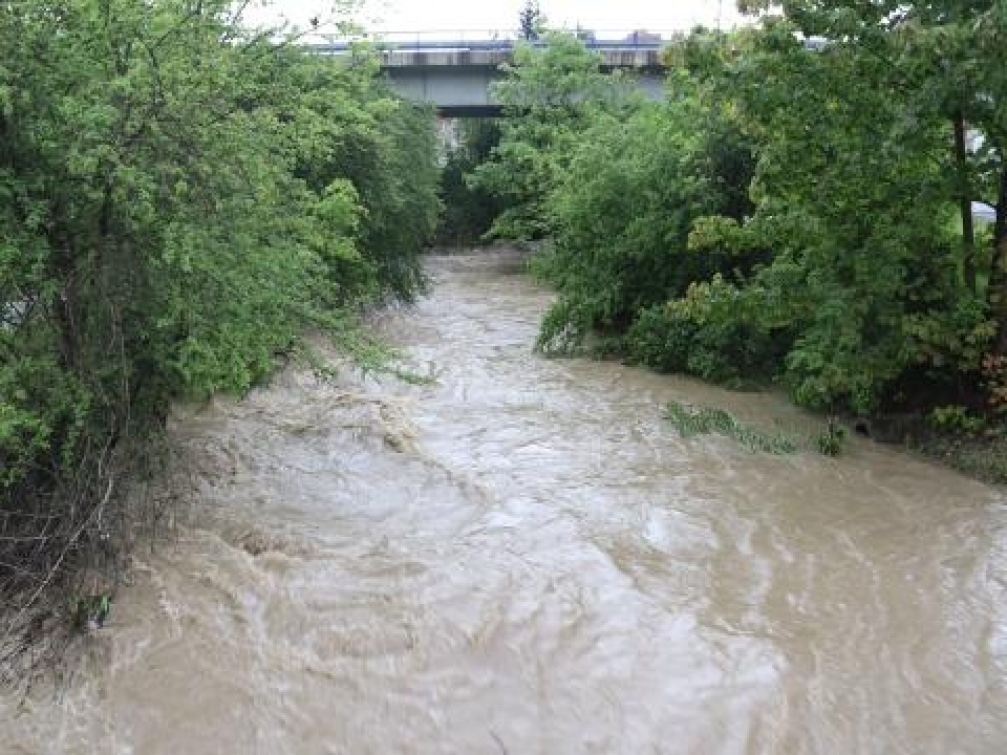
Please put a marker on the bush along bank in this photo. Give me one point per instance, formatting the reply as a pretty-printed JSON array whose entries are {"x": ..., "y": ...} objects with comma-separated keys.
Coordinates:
[
  {"x": 180, "y": 198},
  {"x": 796, "y": 211}
]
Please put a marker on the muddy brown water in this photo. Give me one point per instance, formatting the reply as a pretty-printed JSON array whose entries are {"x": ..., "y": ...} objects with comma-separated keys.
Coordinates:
[{"x": 524, "y": 557}]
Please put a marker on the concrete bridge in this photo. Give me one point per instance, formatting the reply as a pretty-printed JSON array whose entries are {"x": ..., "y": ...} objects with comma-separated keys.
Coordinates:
[{"x": 454, "y": 70}]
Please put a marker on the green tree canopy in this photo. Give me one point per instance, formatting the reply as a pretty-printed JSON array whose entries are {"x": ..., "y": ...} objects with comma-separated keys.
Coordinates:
[{"x": 180, "y": 198}]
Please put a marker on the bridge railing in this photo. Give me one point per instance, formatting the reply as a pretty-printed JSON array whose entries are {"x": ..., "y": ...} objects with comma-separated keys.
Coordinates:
[{"x": 498, "y": 39}]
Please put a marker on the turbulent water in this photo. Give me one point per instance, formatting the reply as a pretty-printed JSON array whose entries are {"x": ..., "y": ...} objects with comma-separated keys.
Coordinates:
[{"x": 522, "y": 556}]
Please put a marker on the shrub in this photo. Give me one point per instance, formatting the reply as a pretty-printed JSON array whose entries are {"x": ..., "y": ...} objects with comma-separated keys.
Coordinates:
[
  {"x": 713, "y": 332},
  {"x": 955, "y": 419},
  {"x": 661, "y": 338}
]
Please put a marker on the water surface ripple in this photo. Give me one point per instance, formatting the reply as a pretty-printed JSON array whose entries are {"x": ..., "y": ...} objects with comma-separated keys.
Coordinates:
[{"x": 523, "y": 557}]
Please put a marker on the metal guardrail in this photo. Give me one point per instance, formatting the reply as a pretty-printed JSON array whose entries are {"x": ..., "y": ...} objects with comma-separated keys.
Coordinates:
[{"x": 489, "y": 39}]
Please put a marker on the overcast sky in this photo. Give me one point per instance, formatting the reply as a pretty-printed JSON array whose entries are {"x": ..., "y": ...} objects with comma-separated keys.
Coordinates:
[{"x": 430, "y": 15}]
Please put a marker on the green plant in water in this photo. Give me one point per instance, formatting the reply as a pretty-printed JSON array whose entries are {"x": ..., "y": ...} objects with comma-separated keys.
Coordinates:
[
  {"x": 692, "y": 421},
  {"x": 90, "y": 612},
  {"x": 830, "y": 441}
]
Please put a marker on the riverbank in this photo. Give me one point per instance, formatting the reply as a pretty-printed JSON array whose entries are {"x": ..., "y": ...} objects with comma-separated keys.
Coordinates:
[{"x": 984, "y": 458}]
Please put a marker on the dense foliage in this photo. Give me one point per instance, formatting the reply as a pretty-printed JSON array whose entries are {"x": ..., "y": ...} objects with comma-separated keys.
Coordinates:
[
  {"x": 552, "y": 93},
  {"x": 179, "y": 199},
  {"x": 469, "y": 210},
  {"x": 797, "y": 209}
]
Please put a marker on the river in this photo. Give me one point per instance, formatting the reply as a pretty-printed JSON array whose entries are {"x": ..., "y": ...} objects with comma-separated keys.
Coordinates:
[{"x": 522, "y": 556}]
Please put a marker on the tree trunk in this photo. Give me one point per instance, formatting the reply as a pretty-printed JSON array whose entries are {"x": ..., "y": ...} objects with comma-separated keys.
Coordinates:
[
  {"x": 965, "y": 200},
  {"x": 998, "y": 274}
]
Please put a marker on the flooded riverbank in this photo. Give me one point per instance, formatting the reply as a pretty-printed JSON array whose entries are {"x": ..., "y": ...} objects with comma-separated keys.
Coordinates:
[{"x": 522, "y": 556}]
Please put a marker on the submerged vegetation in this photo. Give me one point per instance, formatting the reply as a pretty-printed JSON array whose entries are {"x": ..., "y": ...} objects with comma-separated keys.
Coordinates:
[
  {"x": 831, "y": 440},
  {"x": 797, "y": 210},
  {"x": 181, "y": 197},
  {"x": 692, "y": 421}
]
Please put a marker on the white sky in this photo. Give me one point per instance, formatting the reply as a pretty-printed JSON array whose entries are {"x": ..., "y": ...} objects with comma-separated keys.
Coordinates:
[{"x": 434, "y": 15}]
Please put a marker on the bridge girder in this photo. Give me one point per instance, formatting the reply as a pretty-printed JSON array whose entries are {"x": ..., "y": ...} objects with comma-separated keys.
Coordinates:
[
  {"x": 457, "y": 79},
  {"x": 458, "y": 82}
]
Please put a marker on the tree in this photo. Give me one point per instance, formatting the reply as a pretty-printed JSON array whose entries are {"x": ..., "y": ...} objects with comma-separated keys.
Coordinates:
[
  {"x": 469, "y": 211},
  {"x": 625, "y": 206},
  {"x": 531, "y": 22},
  {"x": 790, "y": 212},
  {"x": 180, "y": 198},
  {"x": 942, "y": 58},
  {"x": 549, "y": 95}
]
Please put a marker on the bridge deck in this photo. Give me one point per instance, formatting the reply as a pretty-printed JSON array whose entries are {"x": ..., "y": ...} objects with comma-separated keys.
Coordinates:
[{"x": 456, "y": 75}]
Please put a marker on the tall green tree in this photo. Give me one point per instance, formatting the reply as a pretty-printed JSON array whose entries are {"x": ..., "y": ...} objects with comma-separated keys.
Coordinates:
[
  {"x": 799, "y": 209},
  {"x": 941, "y": 59},
  {"x": 530, "y": 21},
  {"x": 623, "y": 213},
  {"x": 469, "y": 211},
  {"x": 180, "y": 197},
  {"x": 549, "y": 96}
]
